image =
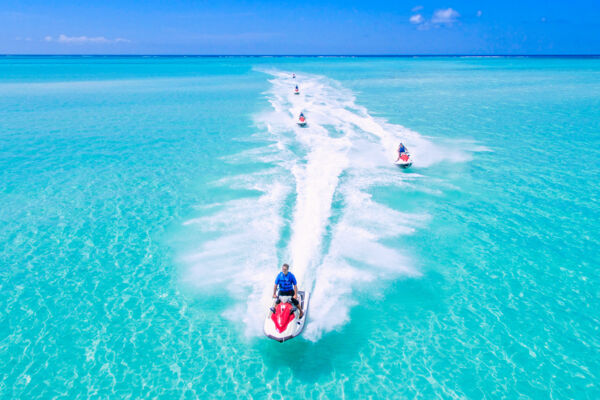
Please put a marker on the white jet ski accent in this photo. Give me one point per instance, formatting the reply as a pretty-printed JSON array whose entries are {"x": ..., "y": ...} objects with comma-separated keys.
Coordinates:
[
  {"x": 285, "y": 323},
  {"x": 302, "y": 120},
  {"x": 405, "y": 160}
]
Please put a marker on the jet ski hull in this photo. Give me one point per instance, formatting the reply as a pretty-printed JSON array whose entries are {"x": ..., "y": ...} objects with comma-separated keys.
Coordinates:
[
  {"x": 403, "y": 164},
  {"x": 294, "y": 327},
  {"x": 302, "y": 124}
]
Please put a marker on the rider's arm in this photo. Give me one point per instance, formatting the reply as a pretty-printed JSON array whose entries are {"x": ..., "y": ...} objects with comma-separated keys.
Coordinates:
[
  {"x": 275, "y": 290},
  {"x": 295, "y": 290}
]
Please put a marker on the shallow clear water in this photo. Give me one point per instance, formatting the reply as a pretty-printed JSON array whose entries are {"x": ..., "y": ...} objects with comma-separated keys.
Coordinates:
[{"x": 146, "y": 204}]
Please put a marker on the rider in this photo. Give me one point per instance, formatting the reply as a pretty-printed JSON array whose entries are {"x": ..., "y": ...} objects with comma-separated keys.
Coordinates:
[
  {"x": 401, "y": 149},
  {"x": 287, "y": 287}
]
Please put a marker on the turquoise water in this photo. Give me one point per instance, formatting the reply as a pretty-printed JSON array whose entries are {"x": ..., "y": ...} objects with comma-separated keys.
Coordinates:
[{"x": 146, "y": 204}]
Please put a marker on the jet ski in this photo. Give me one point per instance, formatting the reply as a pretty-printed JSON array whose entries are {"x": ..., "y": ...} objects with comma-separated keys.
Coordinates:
[
  {"x": 285, "y": 323},
  {"x": 405, "y": 160},
  {"x": 293, "y": 76},
  {"x": 296, "y": 91},
  {"x": 301, "y": 120}
]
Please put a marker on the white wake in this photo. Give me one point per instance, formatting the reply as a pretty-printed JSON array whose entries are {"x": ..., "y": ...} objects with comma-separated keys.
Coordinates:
[{"x": 317, "y": 189}]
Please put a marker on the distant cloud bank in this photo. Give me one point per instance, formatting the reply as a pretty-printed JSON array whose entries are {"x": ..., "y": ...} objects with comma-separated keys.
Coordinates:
[{"x": 84, "y": 39}]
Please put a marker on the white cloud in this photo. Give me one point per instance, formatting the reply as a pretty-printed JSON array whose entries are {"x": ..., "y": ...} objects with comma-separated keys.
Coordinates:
[
  {"x": 416, "y": 19},
  {"x": 479, "y": 13},
  {"x": 445, "y": 16},
  {"x": 417, "y": 8},
  {"x": 62, "y": 38},
  {"x": 441, "y": 17},
  {"x": 81, "y": 39}
]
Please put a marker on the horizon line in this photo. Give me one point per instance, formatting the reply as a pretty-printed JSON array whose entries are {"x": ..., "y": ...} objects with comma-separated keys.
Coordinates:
[{"x": 297, "y": 55}]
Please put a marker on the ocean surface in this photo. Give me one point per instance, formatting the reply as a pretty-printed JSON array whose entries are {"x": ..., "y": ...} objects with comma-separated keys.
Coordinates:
[{"x": 147, "y": 203}]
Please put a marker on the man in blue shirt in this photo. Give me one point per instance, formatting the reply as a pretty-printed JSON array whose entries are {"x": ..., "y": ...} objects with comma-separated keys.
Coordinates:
[
  {"x": 287, "y": 287},
  {"x": 401, "y": 149}
]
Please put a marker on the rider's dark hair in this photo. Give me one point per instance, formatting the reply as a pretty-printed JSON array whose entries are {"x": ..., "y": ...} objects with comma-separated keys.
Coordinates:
[{"x": 285, "y": 265}]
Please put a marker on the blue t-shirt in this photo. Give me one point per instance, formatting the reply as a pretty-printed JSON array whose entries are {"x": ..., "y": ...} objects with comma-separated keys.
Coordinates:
[{"x": 285, "y": 282}]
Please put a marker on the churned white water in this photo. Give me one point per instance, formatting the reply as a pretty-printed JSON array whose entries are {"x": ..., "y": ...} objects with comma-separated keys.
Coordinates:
[{"x": 316, "y": 188}]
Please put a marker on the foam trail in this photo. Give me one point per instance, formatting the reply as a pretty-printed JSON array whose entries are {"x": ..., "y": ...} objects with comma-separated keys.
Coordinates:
[
  {"x": 357, "y": 257},
  {"x": 340, "y": 137},
  {"x": 332, "y": 251},
  {"x": 316, "y": 184},
  {"x": 248, "y": 231}
]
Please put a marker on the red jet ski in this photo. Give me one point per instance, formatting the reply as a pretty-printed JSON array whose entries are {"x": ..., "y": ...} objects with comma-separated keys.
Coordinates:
[
  {"x": 405, "y": 160},
  {"x": 296, "y": 90},
  {"x": 301, "y": 120},
  {"x": 285, "y": 323}
]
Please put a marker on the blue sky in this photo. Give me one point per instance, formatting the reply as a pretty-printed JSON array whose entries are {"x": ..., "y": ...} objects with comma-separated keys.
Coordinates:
[{"x": 303, "y": 27}]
